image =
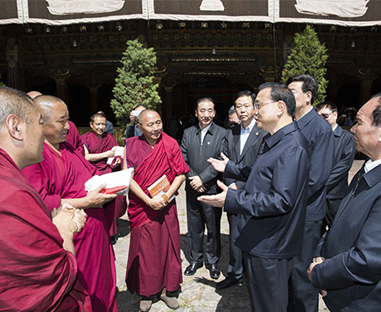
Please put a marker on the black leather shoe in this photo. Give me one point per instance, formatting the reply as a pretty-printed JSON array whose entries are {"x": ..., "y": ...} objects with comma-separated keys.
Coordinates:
[
  {"x": 192, "y": 268},
  {"x": 213, "y": 271},
  {"x": 227, "y": 282}
]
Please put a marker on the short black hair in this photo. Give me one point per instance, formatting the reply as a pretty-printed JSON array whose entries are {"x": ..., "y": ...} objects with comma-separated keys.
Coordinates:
[
  {"x": 280, "y": 92},
  {"x": 332, "y": 106},
  {"x": 202, "y": 100},
  {"x": 377, "y": 111},
  {"x": 244, "y": 93},
  {"x": 97, "y": 115},
  {"x": 309, "y": 84}
]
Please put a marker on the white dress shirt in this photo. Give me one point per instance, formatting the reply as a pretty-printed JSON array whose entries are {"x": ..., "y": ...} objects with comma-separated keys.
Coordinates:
[{"x": 245, "y": 134}]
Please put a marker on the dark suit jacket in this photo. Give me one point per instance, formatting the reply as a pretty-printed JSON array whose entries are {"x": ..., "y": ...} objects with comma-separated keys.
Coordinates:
[
  {"x": 272, "y": 206},
  {"x": 249, "y": 153},
  {"x": 345, "y": 150},
  {"x": 196, "y": 156},
  {"x": 352, "y": 247},
  {"x": 133, "y": 131},
  {"x": 109, "y": 127},
  {"x": 319, "y": 134}
]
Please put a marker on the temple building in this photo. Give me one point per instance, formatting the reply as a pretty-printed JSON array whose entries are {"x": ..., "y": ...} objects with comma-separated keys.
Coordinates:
[{"x": 72, "y": 48}]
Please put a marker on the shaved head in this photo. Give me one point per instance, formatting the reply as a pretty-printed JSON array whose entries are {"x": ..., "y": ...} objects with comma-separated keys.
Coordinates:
[
  {"x": 15, "y": 102},
  {"x": 144, "y": 113},
  {"x": 47, "y": 103}
]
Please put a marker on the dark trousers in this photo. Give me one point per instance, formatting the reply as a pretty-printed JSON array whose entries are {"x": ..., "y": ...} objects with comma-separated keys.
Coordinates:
[
  {"x": 199, "y": 215},
  {"x": 235, "y": 268},
  {"x": 304, "y": 297},
  {"x": 330, "y": 213},
  {"x": 268, "y": 280}
]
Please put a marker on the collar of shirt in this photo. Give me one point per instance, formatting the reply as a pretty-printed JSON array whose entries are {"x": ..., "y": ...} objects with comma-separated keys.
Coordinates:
[
  {"x": 248, "y": 128},
  {"x": 272, "y": 140},
  {"x": 333, "y": 129},
  {"x": 306, "y": 113},
  {"x": 306, "y": 118},
  {"x": 369, "y": 165},
  {"x": 204, "y": 131}
]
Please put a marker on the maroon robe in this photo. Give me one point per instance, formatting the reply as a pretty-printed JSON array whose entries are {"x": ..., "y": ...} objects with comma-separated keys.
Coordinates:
[
  {"x": 154, "y": 258},
  {"x": 64, "y": 176},
  {"x": 97, "y": 145},
  {"x": 73, "y": 136},
  {"x": 36, "y": 273}
]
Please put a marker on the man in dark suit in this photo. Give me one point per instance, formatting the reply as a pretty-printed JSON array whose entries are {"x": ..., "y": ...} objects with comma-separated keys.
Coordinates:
[
  {"x": 272, "y": 207},
  {"x": 343, "y": 156},
  {"x": 199, "y": 143},
  {"x": 243, "y": 142},
  {"x": 303, "y": 297},
  {"x": 132, "y": 129},
  {"x": 347, "y": 267}
]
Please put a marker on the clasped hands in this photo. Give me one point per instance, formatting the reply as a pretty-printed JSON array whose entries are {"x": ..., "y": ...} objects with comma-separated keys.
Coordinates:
[
  {"x": 158, "y": 202},
  {"x": 69, "y": 219}
]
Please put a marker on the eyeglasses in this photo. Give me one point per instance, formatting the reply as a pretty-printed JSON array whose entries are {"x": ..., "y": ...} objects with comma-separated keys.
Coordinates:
[
  {"x": 259, "y": 105},
  {"x": 325, "y": 116}
]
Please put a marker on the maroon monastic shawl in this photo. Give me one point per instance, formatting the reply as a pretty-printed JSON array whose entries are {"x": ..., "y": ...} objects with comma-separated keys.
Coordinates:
[
  {"x": 154, "y": 260},
  {"x": 96, "y": 145},
  {"x": 95, "y": 257},
  {"x": 164, "y": 158},
  {"x": 36, "y": 273}
]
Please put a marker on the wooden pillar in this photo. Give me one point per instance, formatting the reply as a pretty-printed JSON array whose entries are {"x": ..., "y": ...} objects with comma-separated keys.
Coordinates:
[
  {"x": 94, "y": 99},
  {"x": 14, "y": 62},
  {"x": 167, "y": 108},
  {"x": 365, "y": 88},
  {"x": 61, "y": 77}
]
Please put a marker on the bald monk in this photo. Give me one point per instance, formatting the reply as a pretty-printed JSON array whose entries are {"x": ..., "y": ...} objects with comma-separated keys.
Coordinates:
[
  {"x": 154, "y": 263},
  {"x": 38, "y": 266},
  {"x": 59, "y": 179},
  {"x": 73, "y": 134},
  {"x": 97, "y": 148}
]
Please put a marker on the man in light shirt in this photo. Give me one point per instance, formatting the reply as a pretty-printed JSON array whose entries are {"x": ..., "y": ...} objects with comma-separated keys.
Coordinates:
[
  {"x": 347, "y": 267},
  {"x": 243, "y": 143},
  {"x": 199, "y": 143}
]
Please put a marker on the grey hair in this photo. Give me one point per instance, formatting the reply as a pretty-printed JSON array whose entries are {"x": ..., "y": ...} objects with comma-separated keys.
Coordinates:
[{"x": 15, "y": 102}]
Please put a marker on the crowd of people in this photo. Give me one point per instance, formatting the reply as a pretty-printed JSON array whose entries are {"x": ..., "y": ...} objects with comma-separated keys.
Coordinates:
[{"x": 280, "y": 172}]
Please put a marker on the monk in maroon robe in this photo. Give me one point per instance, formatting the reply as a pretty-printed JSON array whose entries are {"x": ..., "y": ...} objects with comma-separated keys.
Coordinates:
[
  {"x": 154, "y": 263},
  {"x": 97, "y": 145},
  {"x": 38, "y": 266},
  {"x": 60, "y": 178},
  {"x": 97, "y": 148}
]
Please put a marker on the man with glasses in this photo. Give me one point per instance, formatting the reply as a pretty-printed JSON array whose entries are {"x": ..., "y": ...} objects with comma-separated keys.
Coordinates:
[
  {"x": 304, "y": 298},
  {"x": 272, "y": 206},
  {"x": 344, "y": 154},
  {"x": 243, "y": 143}
]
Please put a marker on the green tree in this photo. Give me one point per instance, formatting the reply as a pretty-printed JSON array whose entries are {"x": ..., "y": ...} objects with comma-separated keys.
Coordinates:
[
  {"x": 1, "y": 83},
  {"x": 134, "y": 84},
  {"x": 308, "y": 56}
]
